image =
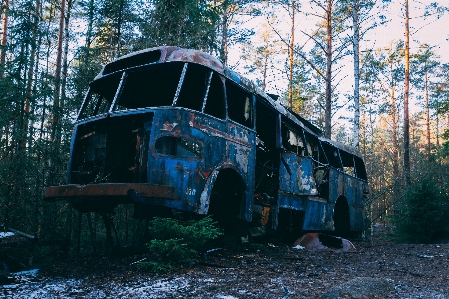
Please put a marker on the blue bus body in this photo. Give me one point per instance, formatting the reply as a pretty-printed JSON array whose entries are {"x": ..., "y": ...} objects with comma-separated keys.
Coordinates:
[{"x": 171, "y": 128}]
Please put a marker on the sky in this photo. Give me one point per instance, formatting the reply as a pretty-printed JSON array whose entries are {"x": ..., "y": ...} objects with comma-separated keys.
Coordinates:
[{"x": 433, "y": 31}]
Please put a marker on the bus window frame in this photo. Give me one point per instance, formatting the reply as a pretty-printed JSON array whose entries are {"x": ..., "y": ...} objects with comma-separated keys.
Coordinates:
[
  {"x": 251, "y": 96},
  {"x": 118, "y": 92},
  {"x": 84, "y": 104},
  {"x": 180, "y": 82},
  {"x": 206, "y": 92},
  {"x": 329, "y": 148},
  {"x": 298, "y": 132},
  {"x": 311, "y": 148}
]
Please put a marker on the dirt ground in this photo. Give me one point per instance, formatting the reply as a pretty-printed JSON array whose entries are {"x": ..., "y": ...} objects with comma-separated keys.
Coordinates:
[{"x": 260, "y": 270}]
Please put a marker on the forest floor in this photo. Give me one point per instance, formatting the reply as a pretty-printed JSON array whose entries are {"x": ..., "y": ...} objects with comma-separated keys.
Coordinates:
[{"x": 260, "y": 270}]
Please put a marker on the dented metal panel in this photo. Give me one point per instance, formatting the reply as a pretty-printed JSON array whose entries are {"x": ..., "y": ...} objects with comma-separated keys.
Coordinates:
[
  {"x": 319, "y": 216},
  {"x": 351, "y": 189},
  {"x": 296, "y": 175}
]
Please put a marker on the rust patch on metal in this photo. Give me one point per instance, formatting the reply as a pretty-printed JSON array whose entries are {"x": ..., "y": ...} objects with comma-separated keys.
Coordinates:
[
  {"x": 196, "y": 56},
  {"x": 63, "y": 192}
]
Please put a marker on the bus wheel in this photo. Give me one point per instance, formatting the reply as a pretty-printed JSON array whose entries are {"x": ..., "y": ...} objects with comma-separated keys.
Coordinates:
[{"x": 227, "y": 206}]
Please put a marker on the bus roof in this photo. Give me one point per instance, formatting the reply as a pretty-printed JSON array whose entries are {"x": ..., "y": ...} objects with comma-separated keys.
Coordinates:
[{"x": 164, "y": 54}]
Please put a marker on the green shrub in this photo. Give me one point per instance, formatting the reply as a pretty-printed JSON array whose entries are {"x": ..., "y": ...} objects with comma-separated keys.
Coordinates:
[
  {"x": 177, "y": 242},
  {"x": 423, "y": 212}
]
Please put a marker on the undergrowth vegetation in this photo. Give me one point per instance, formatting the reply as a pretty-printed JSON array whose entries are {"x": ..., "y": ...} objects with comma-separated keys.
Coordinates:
[
  {"x": 174, "y": 242},
  {"x": 424, "y": 212}
]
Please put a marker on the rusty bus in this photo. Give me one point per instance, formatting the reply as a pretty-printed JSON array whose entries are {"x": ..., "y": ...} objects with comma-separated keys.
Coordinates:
[{"x": 170, "y": 128}]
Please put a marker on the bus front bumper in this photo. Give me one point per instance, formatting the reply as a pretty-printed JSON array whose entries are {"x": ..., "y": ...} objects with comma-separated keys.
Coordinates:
[{"x": 123, "y": 192}]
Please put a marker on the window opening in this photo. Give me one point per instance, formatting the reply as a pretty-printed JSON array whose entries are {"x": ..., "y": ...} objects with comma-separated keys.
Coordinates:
[
  {"x": 333, "y": 155},
  {"x": 215, "y": 104},
  {"x": 151, "y": 86},
  {"x": 292, "y": 140},
  {"x": 360, "y": 168},
  {"x": 194, "y": 88},
  {"x": 348, "y": 163},
  {"x": 178, "y": 146},
  {"x": 100, "y": 96},
  {"x": 240, "y": 104},
  {"x": 315, "y": 149}
]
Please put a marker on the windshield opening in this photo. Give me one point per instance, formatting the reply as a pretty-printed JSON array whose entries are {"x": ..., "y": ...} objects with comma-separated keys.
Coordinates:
[
  {"x": 101, "y": 95},
  {"x": 150, "y": 87}
]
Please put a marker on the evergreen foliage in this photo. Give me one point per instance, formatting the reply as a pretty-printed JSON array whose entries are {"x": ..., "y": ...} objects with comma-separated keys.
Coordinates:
[
  {"x": 177, "y": 242},
  {"x": 423, "y": 212}
]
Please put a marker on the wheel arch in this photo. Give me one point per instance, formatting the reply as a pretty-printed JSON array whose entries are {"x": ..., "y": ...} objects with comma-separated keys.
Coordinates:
[{"x": 219, "y": 176}]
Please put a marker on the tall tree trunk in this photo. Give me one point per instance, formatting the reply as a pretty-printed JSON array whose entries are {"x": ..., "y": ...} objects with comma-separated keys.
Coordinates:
[
  {"x": 65, "y": 53},
  {"x": 265, "y": 68},
  {"x": 56, "y": 105},
  {"x": 355, "y": 40},
  {"x": 290, "y": 58},
  {"x": 27, "y": 108},
  {"x": 4, "y": 37},
  {"x": 427, "y": 115},
  {"x": 119, "y": 30},
  {"x": 406, "y": 96},
  {"x": 224, "y": 34},
  {"x": 328, "y": 104},
  {"x": 394, "y": 121}
]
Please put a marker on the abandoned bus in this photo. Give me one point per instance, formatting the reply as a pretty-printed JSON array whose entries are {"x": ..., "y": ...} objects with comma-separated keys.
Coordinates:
[{"x": 169, "y": 128}]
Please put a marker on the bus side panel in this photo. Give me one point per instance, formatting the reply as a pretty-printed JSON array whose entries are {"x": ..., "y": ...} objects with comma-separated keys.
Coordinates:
[
  {"x": 187, "y": 175},
  {"x": 354, "y": 195},
  {"x": 241, "y": 152},
  {"x": 352, "y": 189},
  {"x": 336, "y": 184},
  {"x": 295, "y": 175},
  {"x": 319, "y": 216}
]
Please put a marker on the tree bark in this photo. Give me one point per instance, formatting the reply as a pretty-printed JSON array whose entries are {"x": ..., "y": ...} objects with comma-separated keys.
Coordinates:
[
  {"x": 328, "y": 104},
  {"x": 394, "y": 128},
  {"x": 56, "y": 104},
  {"x": 427, "y": 115},
  {"x": 292, "y": 44},
  {"x": 27, "y": 108},
  {"x": 65, "y": 53},
  {"x": 224, "y": 34},
  {"x": 355, "y": 39},
  {"x": 406, "y": 97},
  {"x": 4, "y": 37}
]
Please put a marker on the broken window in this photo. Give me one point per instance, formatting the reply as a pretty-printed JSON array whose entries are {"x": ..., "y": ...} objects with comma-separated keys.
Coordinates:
[
  {"x": 292, "y": 140},
  {"x": 194, "y": 87},
  {"x": 348, "y": 162},
  {"x": 100, "y": 96},
  {"x": 267, "y": 156},
  {"x": 215, "y": 104},
  {"x": 333, "y": 155},
  {"x": 315, "y": 149},
  {"x": 151, "y": 86},
  {"x": 178, "y": 146},
  {"x": 240, "y": 104},
  {"x": 360, "y": 168}
]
